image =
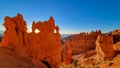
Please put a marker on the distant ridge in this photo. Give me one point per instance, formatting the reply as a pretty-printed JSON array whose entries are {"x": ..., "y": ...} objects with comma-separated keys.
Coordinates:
[
  {"x": 115, "y": 31},
  {"x": 64, "y": 35},
  {"x": 1, "y": 33}
]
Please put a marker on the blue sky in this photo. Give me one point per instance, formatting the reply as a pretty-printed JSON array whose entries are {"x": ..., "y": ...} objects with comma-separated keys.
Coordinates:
[{"x": 72, "y": 16}]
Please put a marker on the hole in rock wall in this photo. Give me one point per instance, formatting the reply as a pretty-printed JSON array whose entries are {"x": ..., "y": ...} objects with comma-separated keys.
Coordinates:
[
  {"x": 37, "y": 31},
  {"x": 47, "y": 64},
  {"x": 55, "y": 31}
]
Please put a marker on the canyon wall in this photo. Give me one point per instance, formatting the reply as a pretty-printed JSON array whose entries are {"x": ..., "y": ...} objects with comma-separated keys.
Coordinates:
[
  {"x": 46, "y": 46},
  {"x": 83, "y": 42},
  {"x": 104, "y": 47}
]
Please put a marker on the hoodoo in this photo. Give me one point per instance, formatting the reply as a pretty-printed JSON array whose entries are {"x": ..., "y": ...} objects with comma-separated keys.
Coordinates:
[{"x": 45, "y": 46}]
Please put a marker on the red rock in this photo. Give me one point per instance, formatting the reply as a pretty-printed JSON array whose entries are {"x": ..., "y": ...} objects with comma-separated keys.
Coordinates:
[
  {"x": 104, "y": 47},
  {"x": 15, "y": 31},
  {"x": 67, "y": 53},
  {"x": 44, "y": 46},
  {"x": 47, "y": 44},
  {"x": 83, "y": 42},
  {"x": 114, "y": 32}
]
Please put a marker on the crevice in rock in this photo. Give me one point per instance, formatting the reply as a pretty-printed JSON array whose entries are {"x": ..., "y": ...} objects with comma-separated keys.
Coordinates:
[{"x": 47, "y": 64}]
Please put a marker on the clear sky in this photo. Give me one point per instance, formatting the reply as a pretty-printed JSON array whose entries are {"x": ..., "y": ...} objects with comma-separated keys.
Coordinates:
[{"x": 72, "y": 16}]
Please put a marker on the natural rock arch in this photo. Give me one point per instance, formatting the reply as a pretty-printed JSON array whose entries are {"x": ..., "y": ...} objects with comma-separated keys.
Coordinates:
[
  {"x": 44, "y": 46},
  {"x": 37, "y": 31}
]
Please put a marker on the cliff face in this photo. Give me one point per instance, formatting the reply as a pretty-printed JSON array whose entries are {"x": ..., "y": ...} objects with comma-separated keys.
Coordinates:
[
  {"x": 45, "y": 45},
  {"x": 83, "y": 42},
  {"x": 15, "y": 31},
  {"x": 104, "y": 47}
]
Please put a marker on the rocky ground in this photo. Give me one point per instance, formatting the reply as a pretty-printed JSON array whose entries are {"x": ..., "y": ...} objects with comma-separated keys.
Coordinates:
[
  {"x": 86, "y": 61},
  {"x": 10, "y": 59},
  {"x": 91, "y": 63}
]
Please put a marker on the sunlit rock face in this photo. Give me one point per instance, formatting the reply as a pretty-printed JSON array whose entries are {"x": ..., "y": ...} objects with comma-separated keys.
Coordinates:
[
  {"x": 15, "y": 33},
  {"x": 44, "y": 45},
  {"x": 83, "y": 42},
  {"x": 67, "y": 53},
  {"x": 104, "y": 47},
  {"x": 114, "y": 32}
]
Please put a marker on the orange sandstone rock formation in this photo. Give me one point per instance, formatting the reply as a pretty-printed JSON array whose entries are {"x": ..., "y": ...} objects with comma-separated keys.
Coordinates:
[
  {"x": 104, "y": 47},
  {"x": 44, "y": 46},
  {"x": 116, "y": 32},
  {"x": 47, "y": 44},
  {"x": 67, "y": 53},
  {"x": 14, "y": 36},
  {"x": 83, "y": 42}
]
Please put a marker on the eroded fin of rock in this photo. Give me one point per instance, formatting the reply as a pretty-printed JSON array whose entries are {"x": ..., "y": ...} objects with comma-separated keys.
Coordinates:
[{"x": 44, "y": 46}]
